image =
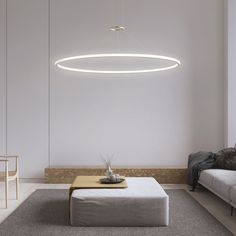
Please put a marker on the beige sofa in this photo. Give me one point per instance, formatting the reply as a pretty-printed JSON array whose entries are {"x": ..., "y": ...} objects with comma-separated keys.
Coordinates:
[{"x": 222, "y": 183}]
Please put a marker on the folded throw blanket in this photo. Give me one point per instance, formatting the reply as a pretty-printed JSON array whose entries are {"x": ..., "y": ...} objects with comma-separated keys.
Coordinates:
[{"x": 197, "y": 162}]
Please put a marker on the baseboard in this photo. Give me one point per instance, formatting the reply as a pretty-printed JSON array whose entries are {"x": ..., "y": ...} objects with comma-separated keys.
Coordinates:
[
  {"x": 32, "y": 180},
  {"x": 162, "y": 175}
]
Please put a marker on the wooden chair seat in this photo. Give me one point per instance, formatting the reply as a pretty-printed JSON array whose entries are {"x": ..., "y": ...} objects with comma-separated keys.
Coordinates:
[{"x": 11, "y": 175}]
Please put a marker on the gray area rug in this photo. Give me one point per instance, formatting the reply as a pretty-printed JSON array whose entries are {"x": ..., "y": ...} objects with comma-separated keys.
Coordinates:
[{"x": 45, "y": 212}]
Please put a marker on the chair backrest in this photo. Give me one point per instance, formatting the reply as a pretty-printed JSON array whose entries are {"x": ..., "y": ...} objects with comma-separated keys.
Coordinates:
[
  {"x": 4, "y": 168},
  {"x": 12, "y": 162}
]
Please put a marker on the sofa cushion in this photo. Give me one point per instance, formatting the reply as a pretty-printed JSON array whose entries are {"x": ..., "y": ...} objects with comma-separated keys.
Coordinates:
[
  {"x": 233, "y": 196},
  {"x": 223, "y": 183},
  {"x": 220, "y": 181},
  {"x": 207, "y": 176}
]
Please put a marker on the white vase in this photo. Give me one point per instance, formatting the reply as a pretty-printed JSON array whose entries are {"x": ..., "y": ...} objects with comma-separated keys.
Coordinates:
[{"x": 109, "y": 172}]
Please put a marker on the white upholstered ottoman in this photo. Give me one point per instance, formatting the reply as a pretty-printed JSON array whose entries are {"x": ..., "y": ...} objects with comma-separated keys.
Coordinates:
[{"x": 143, "y": 203}]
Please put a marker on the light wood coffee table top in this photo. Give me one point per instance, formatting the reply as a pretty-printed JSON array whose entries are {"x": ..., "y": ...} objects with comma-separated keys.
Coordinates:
[{"x": 94, "y": 182}]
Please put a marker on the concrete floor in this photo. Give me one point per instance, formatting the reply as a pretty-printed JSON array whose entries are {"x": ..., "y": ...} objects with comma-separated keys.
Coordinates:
[{"x": 217, "y": 207}]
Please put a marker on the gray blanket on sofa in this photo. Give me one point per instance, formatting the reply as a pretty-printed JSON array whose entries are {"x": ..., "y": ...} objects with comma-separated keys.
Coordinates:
[{"x": 197, "y": 162}]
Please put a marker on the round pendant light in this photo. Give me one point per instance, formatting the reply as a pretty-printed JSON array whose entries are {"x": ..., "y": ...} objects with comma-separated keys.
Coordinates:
[{"x": 174, "y": 63}]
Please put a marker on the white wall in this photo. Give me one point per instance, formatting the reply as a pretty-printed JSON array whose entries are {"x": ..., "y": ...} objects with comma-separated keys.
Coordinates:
[
  {"x": 231, "y": 73},
  {"x": 2, "y": 76},
  {"x": 27, "y": 81},
  {"x": 145, "y": 120}
]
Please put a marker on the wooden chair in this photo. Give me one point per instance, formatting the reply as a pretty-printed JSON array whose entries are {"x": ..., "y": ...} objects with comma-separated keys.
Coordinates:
[{"x": 6, "y": 176}]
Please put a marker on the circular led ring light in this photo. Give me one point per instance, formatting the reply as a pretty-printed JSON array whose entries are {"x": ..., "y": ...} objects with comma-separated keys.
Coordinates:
[{"x": 59, "y": 64}]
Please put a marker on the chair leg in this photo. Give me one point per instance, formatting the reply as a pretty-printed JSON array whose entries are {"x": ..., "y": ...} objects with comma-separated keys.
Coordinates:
[
  {"x": 17, "y": 188},
  {"x": 6, "y": 192},
  {"x": 232, "y": 210}
]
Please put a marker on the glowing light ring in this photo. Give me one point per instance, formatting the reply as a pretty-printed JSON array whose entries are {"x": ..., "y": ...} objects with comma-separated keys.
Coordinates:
[{"x": 176, "y": 63}]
